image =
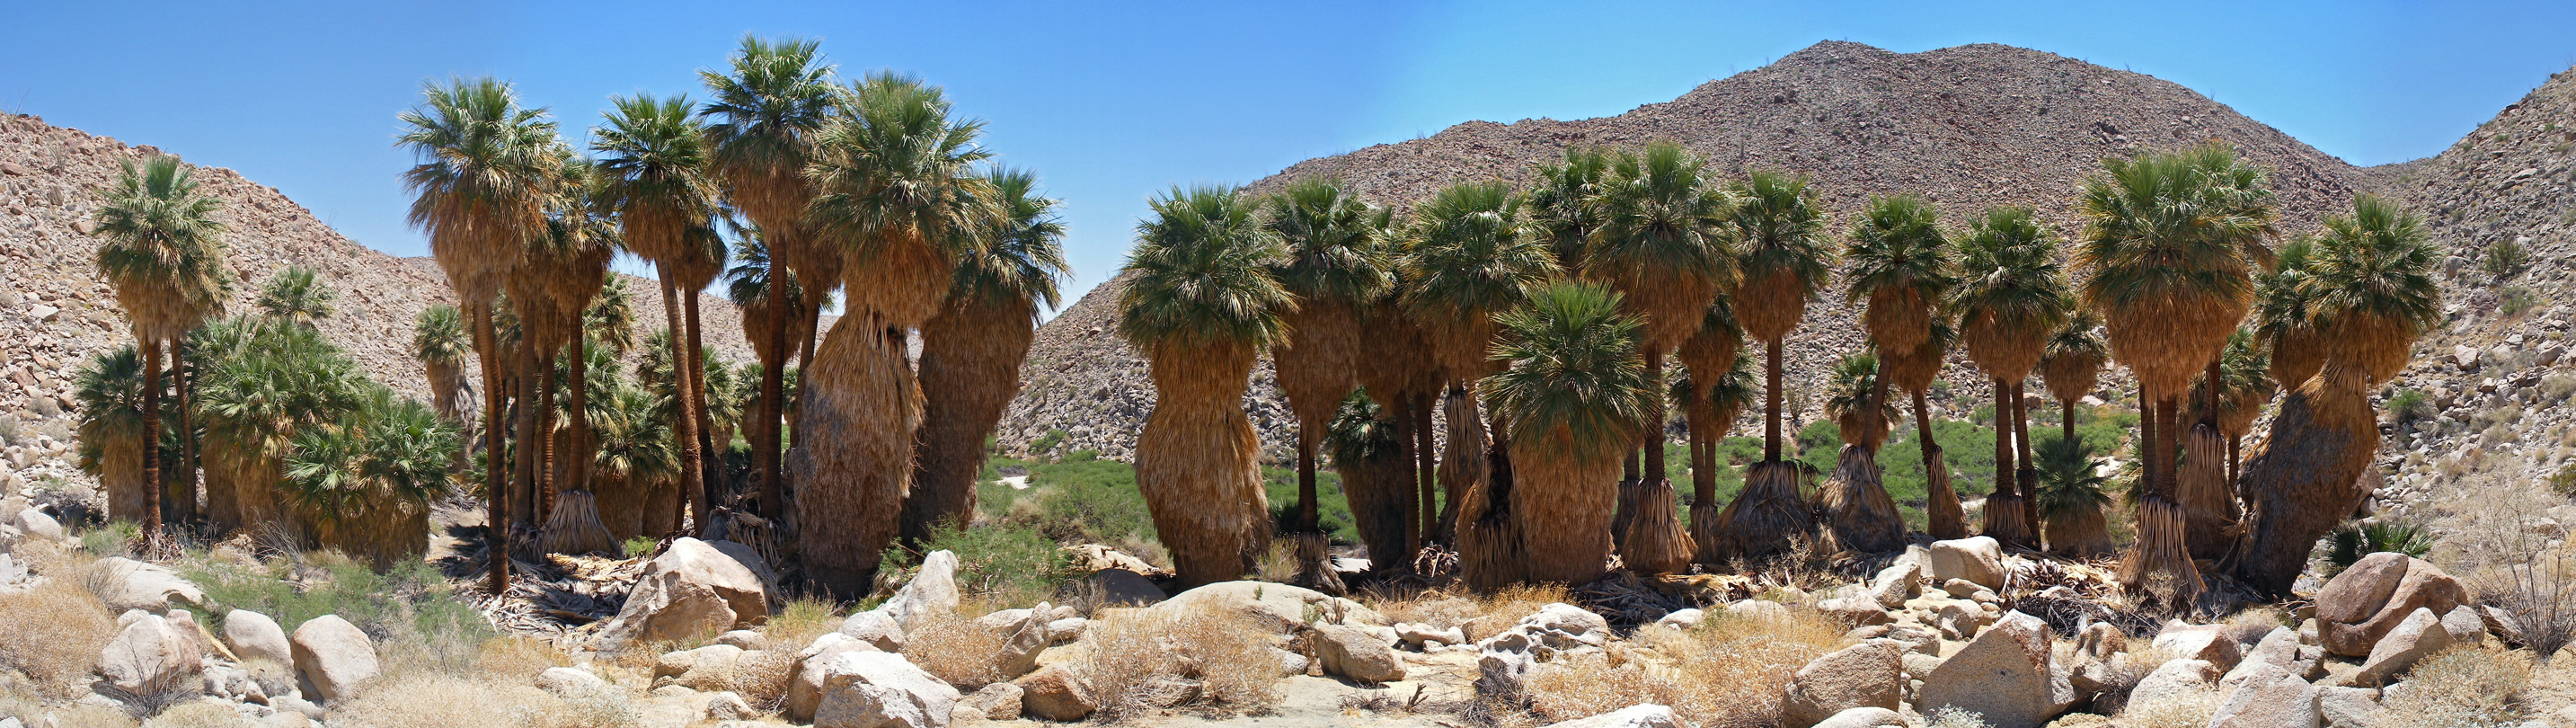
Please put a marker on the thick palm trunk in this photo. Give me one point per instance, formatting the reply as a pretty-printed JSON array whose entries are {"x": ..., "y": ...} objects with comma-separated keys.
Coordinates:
[
  {"x": 1197, "y": 463},
  {"x": 2026, "y": 474},
  {"x": 683, "y": 388},
  {"x": 865, "y": 408},
  {"x": 1464, "y": 464},
  {"x": 970, "y": 369},
  {"x": 2306, "y": 477},
  {"x": 1564, "y": 504},
  {"x": 2066, "y": 420},
  {"x": 1771, "y": 404},
  {"x": 1943, "y": 516},
  {"x": 1427, "y": 458},
  {"x": 1864, "y": 518},
  {"x": 2160, "y": 561},
  {"x": 1306, "y": 522},
  {"x": 187, "y": 432},
  {"x": 710, "y": 457},
  {"x": 1491, "y": 550},
  {"x": 1405, "y": 443},
  {"x": 772, "y": 402},
  {"x": 495, "y": 485},
  {"x": 152, "y": 440}
]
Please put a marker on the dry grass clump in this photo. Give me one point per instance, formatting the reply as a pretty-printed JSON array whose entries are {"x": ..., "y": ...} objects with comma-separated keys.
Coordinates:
[
  {"x": 1442, "y": 609},
  {"x": 761, "y": 677},
  {"x": 1139, "y": 660},
  {"x": 2461, "y": 687},
  {"x": 798, "y": 622},
  {"x": 514, "y": 657},
  {"x": 435, "y": 700},
  {"x": 53, "y": 633},
  {"x": 2188, "y": 710},
  {"x": 955, "y": 648},
  {"x": 200, "y": 714},
  {"x": 2249, "y": 626},
  {"x": 594, "y": 709},
  {"x": 89, "y": 715},
  {"x": 1956, "y": 718},
  {"x": 2488, "y": 540},
  {"x": 1729, "y": 672}
]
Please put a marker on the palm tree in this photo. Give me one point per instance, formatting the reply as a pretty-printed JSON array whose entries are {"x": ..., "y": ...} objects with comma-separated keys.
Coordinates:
[
  {"x": 971, "y": 351},
  {"x": 440, "y": 343},
  {"x": 1785, "y": 264},
  {"x": 2244, "y": 386},
  {"x": 2010, "y": 299},
  {"x": 364, "y": 484},
  {"x": 2372, "y": 293},
  {"x": 109, "y": 389},
  {"x": 2281, "y": 315},
  {"x": 1899, "y": 264},
  {"x": 162, "y": 250},
  {"x": 769, "y": 110},
  {"x": 1367, "y": 452},
  {"x": 1335, "y": 265},
  {"x": 1573, "y": 400},
  {"x": 2072, "y": 363},
  {"x": 2071, "y": 499},
  {"x": 747, "y": 286},
  {"x": 487, "y": 170},
  {"x": 1467, "y": 258},
  {"x": 1914, "y": 371},
  {"x": 1201, "y": 303},
  {"x": 1716, "y": 386},
  {"x": 295, "y": 296},
  {"x": 638, "y": 463},
  {"x": 264, "y": 385},
  {"x": 654, "y": 174},
  {"x": 561, "y": 273},
  {"x": 1663, "y": 245},
  {"x": 896, "y": 191},
  {"x": 1565, "y": 205},
  {"x": 2169, "y": 245}
]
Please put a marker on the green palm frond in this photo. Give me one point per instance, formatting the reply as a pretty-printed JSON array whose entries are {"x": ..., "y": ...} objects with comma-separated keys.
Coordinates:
[
  {"x": 1466, "y": 253},
  {"x": 654, "y": 172},
  {"x": 1575, "y": 385},
  {"x": 895, "y": 165},
  {"x": 275, "y": 381},
  {"x": 2281, "y": 302},
  {"x": 109, "y": 391},
  {"x": 294, "y": 295},
  {"x": 609, "y": 320},
  {"x": 1661, "y": 216},
  {"x": 1200, "y": 276},
  {"x": 439, "y": 336},
  {"x": 2068, "y": 482},
  {"x": 1780, "y": 227},
  {"x": 1565, "y": 203},
  {"x": 2376, "y": 263},
  {"x": 1361, "y": 431},
  {"x": 766, "y": 113},
  {"x": 1022, "y": 255},
  {"x": 1897, "y": 244},
  {"x": 747, "y": 282},
  {"x": 385, "y": 453},
  {"x": 2077, "y": 340},
  {"x": 2189, "y": 223},
  {"x": 161, "y": 247},
  {"x": 636, "y": 444},
  {"x": 1332, "y": 236},
  {"x": 1849, "y": 390},
  {"x": 487, "y": 167},
  {"x": 2009, "y": 274}
]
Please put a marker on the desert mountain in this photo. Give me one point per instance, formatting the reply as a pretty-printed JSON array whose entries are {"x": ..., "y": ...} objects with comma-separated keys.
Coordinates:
[{"x": 1966, "y": 127}]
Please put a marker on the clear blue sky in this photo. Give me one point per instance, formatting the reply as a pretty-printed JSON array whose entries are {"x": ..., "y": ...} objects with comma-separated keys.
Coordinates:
[{"x": 1113, "y": 104}]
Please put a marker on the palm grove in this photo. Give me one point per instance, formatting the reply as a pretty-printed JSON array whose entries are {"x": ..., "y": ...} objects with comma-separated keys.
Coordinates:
[{"x": 1490, "y": 370}]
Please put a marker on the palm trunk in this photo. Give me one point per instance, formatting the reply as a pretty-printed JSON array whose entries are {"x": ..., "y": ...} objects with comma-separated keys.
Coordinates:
[
  {"x": 810, "y": 321},
  {"x": 1426, "y": 461},
  {"x": 771, "y": 399},
  {"x": 1943, "y": 516},
  {"x": 2066, "y": 420},
  {"x": 683, "y": 387},
  {"x": 543, "y": 497},
  {"x": 151, "y": 440},
  {"x": 1405, "y": 443},
  {"x": 2028, "y": 473},
  {"x": 187, "y": 430},
  {"x": 2006, "y": 520},
  {"x": 1463, "y": 464},
  {"x": 710, "y": 458},
  {"x": 577, "y": 464},
  {"x": 1879, "y": 426},
  {"x": 1306, "y": 478},
  {"x": 495, "y": 484},
  {"x": 1771, "y": 405}
]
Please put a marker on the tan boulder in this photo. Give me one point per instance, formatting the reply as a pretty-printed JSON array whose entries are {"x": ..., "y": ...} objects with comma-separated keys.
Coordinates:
[
  {"x": 2371, "y": 597},
  {"x": 332, "y": 658},
  {"x": 2006, "y": 674},
  {"x": 1053, "y": 693},
  {"x": 1869, "y": 674}
]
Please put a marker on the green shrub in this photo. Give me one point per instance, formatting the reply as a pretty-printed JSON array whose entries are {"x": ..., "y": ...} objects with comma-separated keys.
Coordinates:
[
  {"x": 640, "y": 546},
  {"x": 2564, "y": 481},
  {"x": 2504, "y": 259},
  {"x": 1082, "y": 498},
  {"x": 411, "y": 609},
  {"x": 2409, "y": 405},
  {"x": 2354, "y": 541},
  {"x": 1332, "y": 508},
  {"x": 1000, "y": 565},
  {"x": 1046, "y": 443},
  {"x": 2514, "y": 300}
]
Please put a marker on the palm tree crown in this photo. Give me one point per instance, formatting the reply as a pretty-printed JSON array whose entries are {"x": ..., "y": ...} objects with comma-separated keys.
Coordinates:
[
  {"x": 767, "y": 111},
  {"x": 161, "y": 248},
  {"x": 1021, "y": 255},
  {"x": 1664, "y": 240},
  {"x": 653, "y": 173},
  {"x": 895, "y": 184},
  {"x": 295, "y": 296},
  {"x": 1565, "y": 204},
  {"x": 1199, "y": 274},
  {"x": 1576, "y": 384},
  {"x": 1786, "y": 260},
  {"x": 488, "y": 168},
  {"x": 1899, "y": 262},
  {"x": 2373, "y": 285},
  {"x": 2011, "y": 292},
  {"x": 2170, "y": 242},
  {"x": 1466, "y": 258},
  {"x": 1332, "y": 239}
]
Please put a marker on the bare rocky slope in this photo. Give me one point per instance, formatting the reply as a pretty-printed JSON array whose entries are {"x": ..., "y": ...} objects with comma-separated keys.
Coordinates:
[
  {"x": 55, "y": 313},
  {"x": 1966, "y": 127}
]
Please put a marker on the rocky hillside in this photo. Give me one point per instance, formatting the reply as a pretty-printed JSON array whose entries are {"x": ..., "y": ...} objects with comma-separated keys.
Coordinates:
[
  {"x": 1967, "y": 127},
  {"x": 2494, "y": 376},
  {"x": 55, "y": 313}
]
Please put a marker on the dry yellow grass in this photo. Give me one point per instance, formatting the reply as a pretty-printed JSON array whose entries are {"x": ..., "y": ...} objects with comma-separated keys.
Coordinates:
[
  {"x": 1129, "y": 655},
  {"x": 440, "y": 701},
  {"x": 1729, "y": 672},
  {"x": 2188, "y": 710},
  {"x": 518, "y": 657},
  {"x": 2468, "y": 685},
  {"x": 798, "y": 622},
  {"x": 53, "y": 632},
  {"x": 199, "y": 715},
  {"x": 955, "y": 648}
]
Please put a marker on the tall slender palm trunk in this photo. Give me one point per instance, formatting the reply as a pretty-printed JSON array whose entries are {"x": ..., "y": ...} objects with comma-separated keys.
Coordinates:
[
  {"x": 2066, "y": 420},
  {"x": 180, "y": 377},
  {"x": 772, "y": 404},
  {"x": 152, "y": 440},
  {"x": 2027, "y": 473},
  {"x": 542, "y": 497},
  {"x": 1412, "y": 484},
  {"x": 1306, "y": 437},
  {"x": 577, "y": 405},
  {"x": 1771, "y": 403},
  {"x": 683, "y": 387},
  {"x": 1427, "y": 458},
  {"x": 710, "y": 458},
  {"x": 2006, "y": 519},
  {"x": 495, "y": 482},
  {"x": 810, "y": 321},
  {"x": 1943, "y": 516}
]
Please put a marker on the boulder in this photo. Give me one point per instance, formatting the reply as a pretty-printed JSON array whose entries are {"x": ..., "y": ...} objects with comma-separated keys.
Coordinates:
[
  {"x": 882, "y": 690},
  {"x": 1021, "y": 643},
  {"x": 126, "y": 584},
  {"x": 1859, "y": 611},
  {"x": 805, "y": 692},
  {"x": 749, "y": 639},
  {"x": 997, "y": 701},
  {"x": 1414, "y": 633},
  {"x": 1356, "y": 654},
  {"x": 2210, "y": 642},
  {"x": 1960, "y": 620},
  {"x": 2173, "y": 680},
  {"x": 728, "y": 705},
  {"x": 2418, "y": 637},
  {"x": 691, "y": 590},
  {"x": 1284, "y": 605},
  {"x": 32, "y": 523},
  {"x": 570, "y": 681},
  {"x": 1865, "y": 718},
  {"x": 1124, "y": 588},
  {"x": 2464, "y": 624},
  {"x": 2347, "y": 707},
  {"x": 254, "y": 636},
  {"x": 2369, "y": 598},
  {"x": 332, "y": 658},
  {"x": 875, "y": 628},
  {"x": 1895, "y": 584},
  {"x": 1681, "y": 619},
  {"x": 1052, "y": 693},
  {"x": 1869, "y": 674},
  {"x": 2006, "y": 674},
  {"x": 148, "y": 657},
  {"x": 1634, "y": 716},
  {"x": 933, "y": 590},
  {"x": 1979, "y": 560},
  {"x": 2279, "y": 648},
  {"x": 2270, "y": 698},
  {"x": 705, "y": 669}
]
